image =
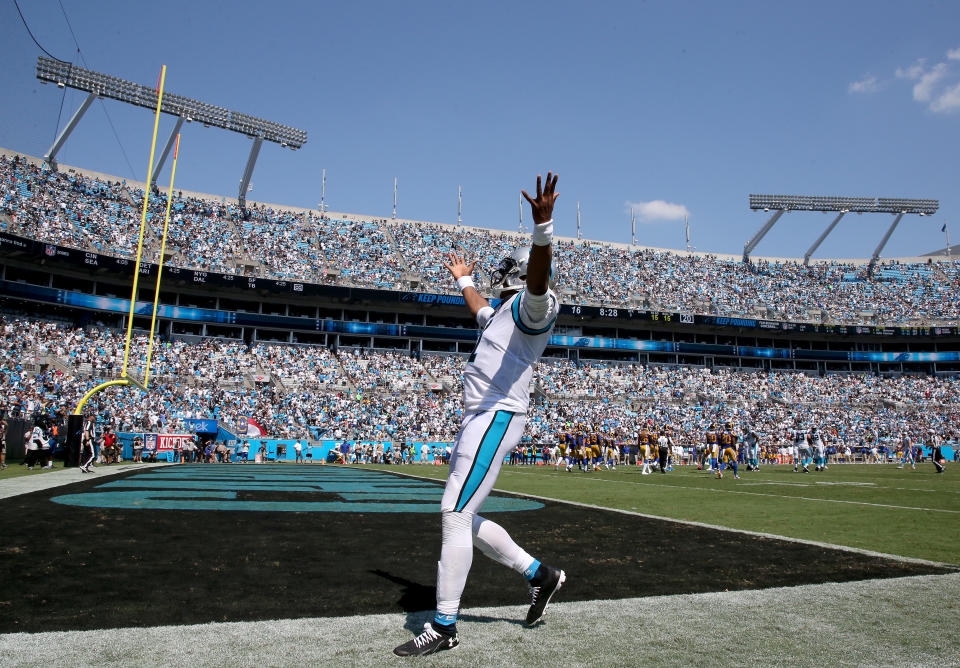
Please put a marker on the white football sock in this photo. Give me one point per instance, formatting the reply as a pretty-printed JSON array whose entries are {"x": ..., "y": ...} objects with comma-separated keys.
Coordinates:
[
  {"x": 456, "y": 557},
  {"x": 493, "y": 540}
]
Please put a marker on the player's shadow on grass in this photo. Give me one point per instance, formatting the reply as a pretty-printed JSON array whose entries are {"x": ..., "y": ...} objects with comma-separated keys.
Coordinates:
[
  {"x": 414, "y": 597},
  {"x": 419, "y": 601}
]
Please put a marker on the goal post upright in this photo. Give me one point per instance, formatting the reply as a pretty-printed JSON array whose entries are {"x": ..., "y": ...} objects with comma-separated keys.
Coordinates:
[
  {"x": 163, "y": 250},
  {"x": 143, "y": 221}
]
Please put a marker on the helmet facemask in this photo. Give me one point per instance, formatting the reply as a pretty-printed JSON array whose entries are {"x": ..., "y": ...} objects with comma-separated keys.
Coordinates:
[{"x": 511, "y": 274}]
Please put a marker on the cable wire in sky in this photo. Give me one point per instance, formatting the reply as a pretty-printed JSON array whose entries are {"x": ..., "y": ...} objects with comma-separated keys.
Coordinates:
[
  {"x": 116, "y": 136},
  {"x": 30, "y": 32}
]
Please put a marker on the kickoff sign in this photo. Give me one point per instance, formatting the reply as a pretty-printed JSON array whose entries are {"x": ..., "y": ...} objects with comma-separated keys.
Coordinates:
[{"x": 166, "y": 442}]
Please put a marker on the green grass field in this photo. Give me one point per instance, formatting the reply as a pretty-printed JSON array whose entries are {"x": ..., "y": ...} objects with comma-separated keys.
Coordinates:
[{"x": 873, "y": 507}]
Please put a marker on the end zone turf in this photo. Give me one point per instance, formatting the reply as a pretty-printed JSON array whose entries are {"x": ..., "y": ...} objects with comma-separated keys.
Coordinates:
[{"x": 165, "y": 546}]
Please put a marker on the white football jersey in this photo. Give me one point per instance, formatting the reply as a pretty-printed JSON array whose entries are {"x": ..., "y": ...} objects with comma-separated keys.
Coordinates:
[{"x": 499, "y": 372}]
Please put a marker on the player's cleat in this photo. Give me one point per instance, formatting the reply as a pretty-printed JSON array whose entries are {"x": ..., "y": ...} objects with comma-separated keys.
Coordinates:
[
  {"x": 541, "y": 594},
  {"x": 736, "y": 477},
  {"x": 719, "y": 475},
  {"x": 428, "y": 642},
  {"x": 794, "y": 469},
  {"x": 806, "y": 470}
]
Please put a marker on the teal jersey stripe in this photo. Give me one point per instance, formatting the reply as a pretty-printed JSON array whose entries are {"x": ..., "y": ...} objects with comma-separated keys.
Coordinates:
[
  {"x": 522, "y": 327},
  {"x": 484, "y": 457}
]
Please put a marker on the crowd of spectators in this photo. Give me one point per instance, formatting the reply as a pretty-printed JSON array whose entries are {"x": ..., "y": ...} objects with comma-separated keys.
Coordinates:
[
  {"x": 78, "y": 211},
  {"x": 312, "y": 392}
]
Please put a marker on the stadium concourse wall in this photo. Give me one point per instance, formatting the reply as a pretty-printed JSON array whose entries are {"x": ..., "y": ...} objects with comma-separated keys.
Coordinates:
[{"x": 281, "y": 450}]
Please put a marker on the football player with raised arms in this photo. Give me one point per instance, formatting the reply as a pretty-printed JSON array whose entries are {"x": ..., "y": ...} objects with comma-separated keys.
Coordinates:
[{"x": 496, "y": 394}]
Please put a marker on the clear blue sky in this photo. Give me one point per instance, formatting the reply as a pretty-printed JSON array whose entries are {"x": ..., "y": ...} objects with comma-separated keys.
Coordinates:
[{"x": 691, "y": 104}]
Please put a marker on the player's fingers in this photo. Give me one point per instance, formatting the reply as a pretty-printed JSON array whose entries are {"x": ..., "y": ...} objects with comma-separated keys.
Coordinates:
[
  {"x": 539, "y": 187},
  {"x": 526, "y": 196},
  {"x": 553, "y": 186}
]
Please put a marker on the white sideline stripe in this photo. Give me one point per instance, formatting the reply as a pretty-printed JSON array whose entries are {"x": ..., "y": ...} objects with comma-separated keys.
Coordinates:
[
  {"x": 816, "y": 543},
  {"x": 776, "y": 496},
  {"x": 59, "y": 477}
]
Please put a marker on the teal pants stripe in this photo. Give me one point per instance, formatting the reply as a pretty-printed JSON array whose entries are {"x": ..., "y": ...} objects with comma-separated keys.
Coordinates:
[{"x": 489, "y": 445}]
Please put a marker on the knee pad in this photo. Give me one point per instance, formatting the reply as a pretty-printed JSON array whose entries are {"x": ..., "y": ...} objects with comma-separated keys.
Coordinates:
[{"x": 457, "y": 528}]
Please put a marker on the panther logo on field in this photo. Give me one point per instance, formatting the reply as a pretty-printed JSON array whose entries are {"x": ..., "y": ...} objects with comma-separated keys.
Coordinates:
[{"x": 277, "y": 489}]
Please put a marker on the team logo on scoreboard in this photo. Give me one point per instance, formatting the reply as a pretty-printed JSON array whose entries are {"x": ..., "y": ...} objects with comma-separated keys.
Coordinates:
[{"x": 50, "y": 250}]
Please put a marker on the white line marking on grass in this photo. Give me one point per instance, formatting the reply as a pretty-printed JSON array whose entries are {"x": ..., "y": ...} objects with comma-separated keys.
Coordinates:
[
  {"x": 845, "y": 548},
  {"x": 845, "y": 482},
  {"x": 66, "y": 476},
  {"x": 782, "y": 484},
  {"x": 776, "y": 496}
]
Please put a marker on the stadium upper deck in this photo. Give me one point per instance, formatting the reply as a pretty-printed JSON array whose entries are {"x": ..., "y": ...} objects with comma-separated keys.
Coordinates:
[{"x": 95, "y": 212}]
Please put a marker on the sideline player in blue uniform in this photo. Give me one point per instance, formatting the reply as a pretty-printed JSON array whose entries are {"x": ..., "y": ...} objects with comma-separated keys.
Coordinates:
[{"x": 496, "y": 395}]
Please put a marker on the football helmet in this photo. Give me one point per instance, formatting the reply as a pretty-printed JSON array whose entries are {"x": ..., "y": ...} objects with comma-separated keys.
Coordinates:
[{"x": 511, "y": 274}]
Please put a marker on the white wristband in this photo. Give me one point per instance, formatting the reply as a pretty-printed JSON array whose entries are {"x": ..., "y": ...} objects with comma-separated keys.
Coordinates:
[
  {"x": 465, "y": 282},
  {"x": 542, "y": 233}
]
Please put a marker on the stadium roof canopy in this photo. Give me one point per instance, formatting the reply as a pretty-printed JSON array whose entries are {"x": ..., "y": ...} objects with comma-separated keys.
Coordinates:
[
  {"x": 780, "y": 204},
  {"x": 187, "y": 109}
]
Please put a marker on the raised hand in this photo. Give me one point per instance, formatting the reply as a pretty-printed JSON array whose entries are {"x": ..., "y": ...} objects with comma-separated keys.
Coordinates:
[
  {"x": 457, "y": 266},
  {"x": 542, "y": 206}
]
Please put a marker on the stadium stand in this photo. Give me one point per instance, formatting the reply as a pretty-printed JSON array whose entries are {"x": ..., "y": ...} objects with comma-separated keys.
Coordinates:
[
  {"x": 88, "y": 213},
  {"x": 380, "y": 395},
  {"x": 365, "y": 392}
]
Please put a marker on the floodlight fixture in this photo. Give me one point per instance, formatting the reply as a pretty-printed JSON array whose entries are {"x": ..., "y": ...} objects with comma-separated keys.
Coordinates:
[
  {"x": 104, "y": 85},
  {"x": 849, "y": 204},
  {"x": 184, "y": 108},
  {"x": 780, "y": 204}
]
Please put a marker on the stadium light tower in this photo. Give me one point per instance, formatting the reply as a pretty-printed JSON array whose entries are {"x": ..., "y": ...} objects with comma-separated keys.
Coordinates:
[
  {"x": 781, "y": 204},
  {"x": 184, "y": 108}
]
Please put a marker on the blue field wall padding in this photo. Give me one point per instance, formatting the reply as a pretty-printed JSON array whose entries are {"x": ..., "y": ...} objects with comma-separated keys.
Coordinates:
[{"x": 282, "y": 450}]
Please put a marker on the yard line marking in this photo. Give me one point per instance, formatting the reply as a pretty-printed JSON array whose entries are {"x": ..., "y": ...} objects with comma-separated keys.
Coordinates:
[
  {"x": 776, "y": 496},
  {"x": 772, "y": 482}
]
